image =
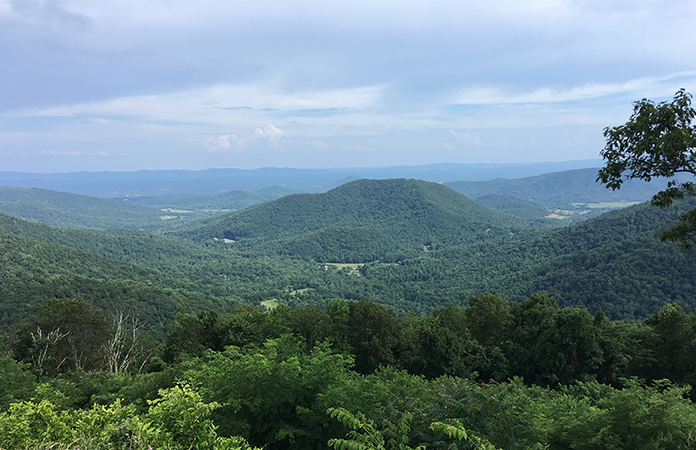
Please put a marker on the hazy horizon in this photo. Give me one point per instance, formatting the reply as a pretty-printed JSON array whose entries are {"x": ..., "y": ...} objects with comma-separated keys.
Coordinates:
[{"x": 572, "y": 164}]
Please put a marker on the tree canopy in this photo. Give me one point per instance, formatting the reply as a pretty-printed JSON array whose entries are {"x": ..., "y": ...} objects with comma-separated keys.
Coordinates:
[{"x": 659, "y": 140}]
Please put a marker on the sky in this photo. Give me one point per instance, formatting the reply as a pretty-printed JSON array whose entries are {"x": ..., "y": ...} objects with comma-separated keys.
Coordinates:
[{"x": 127, "y": 85}]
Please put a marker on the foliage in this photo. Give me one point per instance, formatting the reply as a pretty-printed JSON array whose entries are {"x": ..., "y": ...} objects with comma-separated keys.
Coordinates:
[
  {"x": 273, "y": 394},
  {"x": 365, "y": 435},
  {"x": 18, "y": 382},
  {"x": 495, "y": 412},
  {"x": 657, "y": 141},
  {"x": 68, "y": 335},
  {"x": 594, "y": 416},
  {"x": 177, "y": 420}
]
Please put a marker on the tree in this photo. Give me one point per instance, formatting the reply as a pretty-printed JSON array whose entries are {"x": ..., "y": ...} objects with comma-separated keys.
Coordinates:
[
  {"x": 126, "y": 344},
  {"x": 18, "y": 383},
  {"x": 657, "y": 141},
  {"x": 374, "y": 333},
  {"x": 67, "y": 335},
  {"x": 274, "y": 394},
  {"x": 488, "y": 317},
  {"x": 568, "y": 350}
]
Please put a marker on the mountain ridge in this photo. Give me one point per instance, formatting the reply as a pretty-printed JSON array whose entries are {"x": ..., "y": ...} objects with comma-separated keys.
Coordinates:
[{"x": 417, "y": 211}]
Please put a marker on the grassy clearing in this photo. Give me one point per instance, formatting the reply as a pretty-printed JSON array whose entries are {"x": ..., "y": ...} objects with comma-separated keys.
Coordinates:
[
  {"x": 270, "y": 304},
  {"x": 296, "y": 292},
  {"x": 605, "y": 205},
  {"x": 344, "y": 265},
  {"x": 354, "y": 267},
  {"x": 585, "y": 208}
]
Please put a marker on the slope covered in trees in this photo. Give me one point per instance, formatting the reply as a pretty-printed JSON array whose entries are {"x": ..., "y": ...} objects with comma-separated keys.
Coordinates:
[
  {"x": 74, "y": 210},
  {"x": 32, "y": 272},
  {"x": 559, "y": 189},
  {"x": 614, "y": 262},
  {"x": 224, "y": 201},
  {"x": 361, "y": 221},
  {"x": 629, "y": 272},
  {"x": 517, "y": 369}
]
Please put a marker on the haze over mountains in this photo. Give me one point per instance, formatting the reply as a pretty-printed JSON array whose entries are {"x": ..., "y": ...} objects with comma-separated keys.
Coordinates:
[
  {"x": 183, "y": 183},
  {"x": 178, "y": 196},
  {"x": 410, "y": 244}
]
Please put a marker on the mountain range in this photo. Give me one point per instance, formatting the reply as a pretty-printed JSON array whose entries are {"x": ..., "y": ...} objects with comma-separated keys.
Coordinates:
[{"x": 410, "y": 244}]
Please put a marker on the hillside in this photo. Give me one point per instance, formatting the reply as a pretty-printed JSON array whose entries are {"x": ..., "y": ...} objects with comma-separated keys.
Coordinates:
[
  {"x": 560, "y": 189},
  {"x": 32, "y": 272},
  {"x": 572, "y": 195},
  {"x": 417, "y": 246},
  {"x": 360, "y": 221},
  {"x": 614, "y": 262},
  {"x": 215, "y": 203},
  {"x": 74, "y": 210},
  {"x": 523, "y": 209},
  {"x": 182, "y": 264}
]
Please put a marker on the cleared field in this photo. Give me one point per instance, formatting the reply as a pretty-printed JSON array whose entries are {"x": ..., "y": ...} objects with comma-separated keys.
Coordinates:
[
  {"x": 605, "y": 205},
  {"x": 354, "y": 268},
  {"x": 176, "y": 211},
  {"x": 270, "y": 304}
]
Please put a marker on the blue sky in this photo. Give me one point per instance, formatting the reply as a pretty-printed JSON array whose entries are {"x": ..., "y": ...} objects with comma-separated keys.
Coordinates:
[{"x": 129, "y": 85}]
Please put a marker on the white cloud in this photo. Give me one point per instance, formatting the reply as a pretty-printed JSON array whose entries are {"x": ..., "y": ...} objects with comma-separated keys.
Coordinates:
[
  {"x": 215, "y": 104},
  {"x": 493, "y": 95},
  {"x": 353, "y": 148},
  {"x": 221, "y": 143},
  {"x": 271, "y": 133},
  {"x": 319, "y": 145},
  {"x": 462, "y": 139}
]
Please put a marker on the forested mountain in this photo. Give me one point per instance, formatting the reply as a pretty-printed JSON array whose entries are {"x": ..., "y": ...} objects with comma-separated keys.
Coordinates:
[
  {"x": 74, "y": 210},
  {"x": 392, "y": 299},
  {"x": 361, "y": 221},
  {"x": 614, "y": 262},
  {"x": 423, "y": 234},
  {"x": 528, "y": 210},
  {"x": 214, "y": 270},
  {"x": 568, "y": 196},
  {"x": 213, "y": 203},
  {"x": 32, "y": 272},
  {"x": 560, "y": 189}
]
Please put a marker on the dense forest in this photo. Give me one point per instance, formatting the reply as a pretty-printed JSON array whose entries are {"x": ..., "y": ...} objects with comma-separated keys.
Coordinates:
[
  {"x": 379, "y": 314},
  {"x": 493, "y": 374}
]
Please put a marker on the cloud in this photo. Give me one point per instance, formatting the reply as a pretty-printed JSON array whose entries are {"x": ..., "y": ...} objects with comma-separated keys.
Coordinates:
[
  {"x": 493, "y": 95},
  {"x": 463, "y": 140},
  {"x": 51, "y": 11},
  {"x": 319, "y": 145},
  {"x": 221, "y": 143},
  {"x": 215, "y": 104},
  {"x": 270, "y": 133},
  {"x": 353, "y": 148}
]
